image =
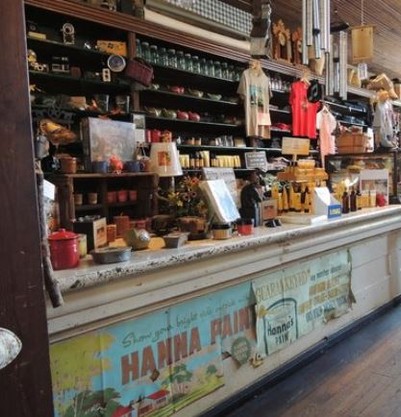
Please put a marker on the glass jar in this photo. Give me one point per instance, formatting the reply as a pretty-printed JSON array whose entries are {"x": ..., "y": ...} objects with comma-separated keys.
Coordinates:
[
  {"x": 188, "y": 62},
  {"x": 210, "y": 65},
  {"x": 154, "y": 54},
  {"x": 204, "y": 70},
  {"x": 163, "y": 60},
  {"x": 224, "y": 70},
  {"x": 172, "y": 58},
  {"x": 231, "y": 72},
  {"x": 138, "y": 51},
  {"x": 146, "y": 51},
  {"x": 181, "y": 60},
  {"x": 221, "y": 231},
  {"x": 195, "y": 64},
  {"x": 217, "y": 69}
]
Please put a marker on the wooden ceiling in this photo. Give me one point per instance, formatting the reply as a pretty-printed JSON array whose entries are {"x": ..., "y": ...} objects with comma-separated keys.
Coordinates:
[{"x": 384, "y": 14}]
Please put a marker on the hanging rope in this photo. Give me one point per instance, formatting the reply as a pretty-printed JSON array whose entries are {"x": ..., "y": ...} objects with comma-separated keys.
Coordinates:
[{"x": 362, "y": 13}]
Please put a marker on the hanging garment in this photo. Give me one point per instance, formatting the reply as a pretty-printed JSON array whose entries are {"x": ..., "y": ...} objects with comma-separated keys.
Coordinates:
[
  {"x": 303, "y": 112},
  {"x": 254, "y": 88},
  {"x": 326, "y": 123},
  {"x": 383, "y": 123}
]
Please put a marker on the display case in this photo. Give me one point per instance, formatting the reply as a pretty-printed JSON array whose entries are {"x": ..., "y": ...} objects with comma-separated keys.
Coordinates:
[{"x": 341, "y": 167}]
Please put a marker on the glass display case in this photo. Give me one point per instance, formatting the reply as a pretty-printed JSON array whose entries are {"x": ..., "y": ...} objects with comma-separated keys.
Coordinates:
[{"x": 341, "y": 167}]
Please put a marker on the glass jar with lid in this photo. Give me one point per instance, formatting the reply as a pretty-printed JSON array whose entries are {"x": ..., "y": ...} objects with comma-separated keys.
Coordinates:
[
  {"x": 181, "y": 60},
  {"x": 154, "y": 54},
  {"x": 138, "y": 48},
  {"x": 172, "y": 58},
  {"x": 196, "y": 64},
  {"x": 231, "y": 72},
  {"x": 163, "y": 57},
  {"x": 224, "y": 70},
  {"x": 188, "y": 62},
  {"x": 146, "y": 51},
  {"x": 217, "y": 69},
  {"x": 210, "y": 65},
  {"x": 204, "y": 69}
]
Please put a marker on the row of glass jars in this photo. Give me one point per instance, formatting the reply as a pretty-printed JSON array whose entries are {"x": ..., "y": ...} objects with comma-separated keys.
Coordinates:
[{"x": 169, "y": 57}]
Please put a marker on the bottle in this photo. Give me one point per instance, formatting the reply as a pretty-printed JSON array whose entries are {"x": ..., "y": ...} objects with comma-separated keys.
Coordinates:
[
  {"x": 358, "y": 199},
  {"x": 345, "y": 202},
  {"x": 285, "y": 200},
  {"x": 352, "y": 200}
]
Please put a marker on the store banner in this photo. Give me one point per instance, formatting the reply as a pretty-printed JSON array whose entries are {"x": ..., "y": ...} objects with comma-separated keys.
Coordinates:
[
  {"x": 156, "y": 364},
  {"x": 292, "y": 302}
]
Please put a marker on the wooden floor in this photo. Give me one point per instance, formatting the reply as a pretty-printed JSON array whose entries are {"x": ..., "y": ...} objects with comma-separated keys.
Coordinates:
[{"x": 360, "y": 376}]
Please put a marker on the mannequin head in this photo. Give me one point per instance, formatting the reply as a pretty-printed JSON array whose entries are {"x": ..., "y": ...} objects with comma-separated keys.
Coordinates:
[{"x": 254, "y": 65}]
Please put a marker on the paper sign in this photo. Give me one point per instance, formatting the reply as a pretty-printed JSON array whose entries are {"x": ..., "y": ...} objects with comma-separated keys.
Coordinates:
[
  {"x": 254, "y": 160},
  {"x": 295, "y": 146},
  {"x": 49, "y": 190}
]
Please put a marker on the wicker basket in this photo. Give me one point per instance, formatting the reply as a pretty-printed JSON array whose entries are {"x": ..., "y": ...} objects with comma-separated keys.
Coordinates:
[{"x": 352, "y": 143}]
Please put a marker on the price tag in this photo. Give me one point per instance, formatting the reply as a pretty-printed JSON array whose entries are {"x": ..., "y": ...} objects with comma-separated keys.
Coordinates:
[
  {"x": 254, "y": 160},
  {"x": 295, "y": 146}
]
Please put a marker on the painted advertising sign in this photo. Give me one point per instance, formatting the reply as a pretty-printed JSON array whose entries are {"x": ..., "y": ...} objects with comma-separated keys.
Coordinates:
[
  {"x": 293, "y": 301},
  {"x": 156, "y": 364}
]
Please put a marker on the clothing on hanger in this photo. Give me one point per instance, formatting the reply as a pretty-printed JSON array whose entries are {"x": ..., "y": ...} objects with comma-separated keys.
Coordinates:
[{"x": 254, "y": 88}]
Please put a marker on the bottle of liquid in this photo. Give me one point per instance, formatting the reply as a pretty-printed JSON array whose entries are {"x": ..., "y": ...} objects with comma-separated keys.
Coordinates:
[
  {"x": 345, "y": 202},
  {"x": 352, "y": 200},
  {"x": 358, "y": 199}
]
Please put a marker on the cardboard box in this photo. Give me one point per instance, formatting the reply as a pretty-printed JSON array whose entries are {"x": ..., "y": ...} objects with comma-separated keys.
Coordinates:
[
  {"x": 112, "y": 47},
  {"x": 95, "y": 231}
]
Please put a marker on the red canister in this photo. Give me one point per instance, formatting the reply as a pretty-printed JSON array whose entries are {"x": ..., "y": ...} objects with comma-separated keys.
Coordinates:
[{"x": 64, "y": 249}]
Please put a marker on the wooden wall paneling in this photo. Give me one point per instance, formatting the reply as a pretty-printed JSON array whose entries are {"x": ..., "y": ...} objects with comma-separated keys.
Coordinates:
[{"x": 25, "y": 388}]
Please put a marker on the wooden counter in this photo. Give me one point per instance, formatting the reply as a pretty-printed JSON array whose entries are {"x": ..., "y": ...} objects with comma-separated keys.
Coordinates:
[{"x": 155, "y": 281}]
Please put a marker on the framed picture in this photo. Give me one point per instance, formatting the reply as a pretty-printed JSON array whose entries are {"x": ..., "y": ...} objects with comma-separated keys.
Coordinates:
[{"x": 103, "y": 138}]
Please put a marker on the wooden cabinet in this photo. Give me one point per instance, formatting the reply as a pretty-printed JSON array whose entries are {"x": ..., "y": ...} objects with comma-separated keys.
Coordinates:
[{"x": 132, "y": 194}]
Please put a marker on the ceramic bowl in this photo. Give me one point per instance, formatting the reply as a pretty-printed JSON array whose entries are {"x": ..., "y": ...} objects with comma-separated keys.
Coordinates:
[
  {"x": 214, "y": 96},
  {"x": 195, "y": 93},
  {"x": 111, "y": 255}
]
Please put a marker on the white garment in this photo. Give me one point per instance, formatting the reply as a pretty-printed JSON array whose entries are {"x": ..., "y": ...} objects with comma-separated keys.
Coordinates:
[
  {"x": 326, "y": 123},
  {"x": 254, "y": 88},
  {"x": 383, "y": 122}
]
